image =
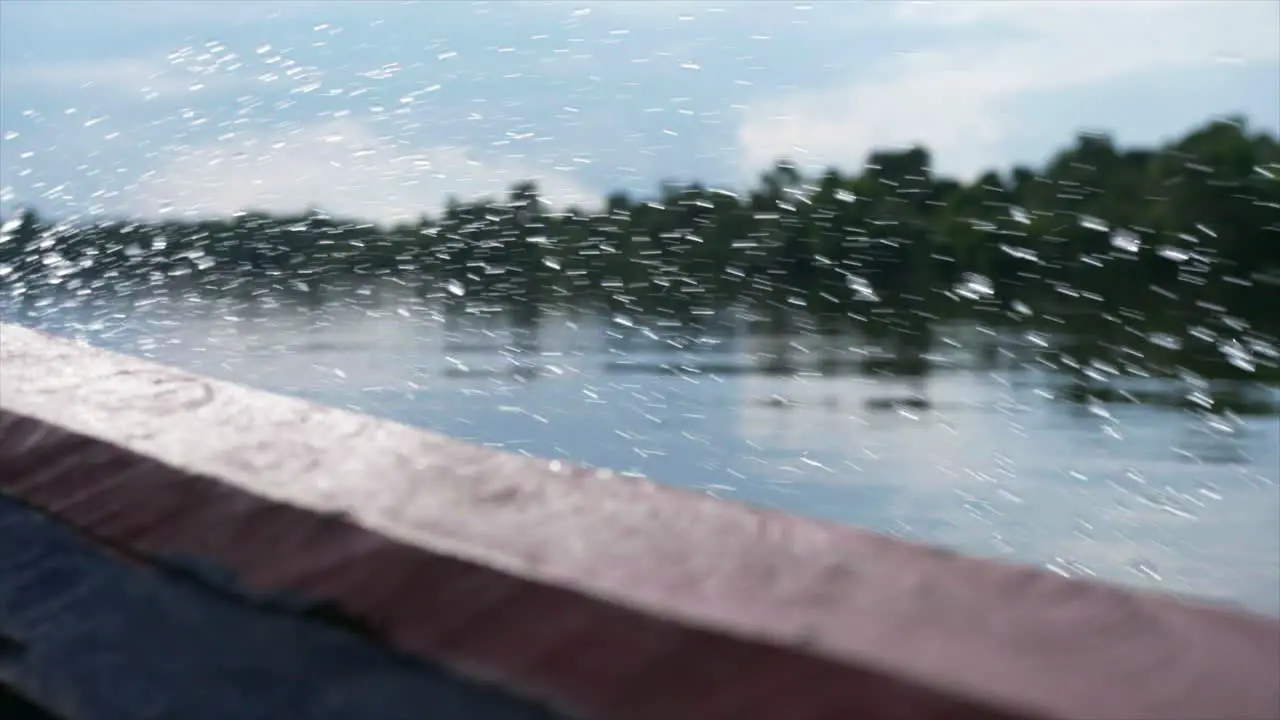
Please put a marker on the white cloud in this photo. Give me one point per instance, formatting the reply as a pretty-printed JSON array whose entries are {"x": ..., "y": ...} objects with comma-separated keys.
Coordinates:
[
  {"x": 952, "y": 99},
  {"x": 139, "y": 77},
  {"x": 133, "y": 15},
  {"x": 665, "y": 9},
  {"x": 340, "y": 166}
]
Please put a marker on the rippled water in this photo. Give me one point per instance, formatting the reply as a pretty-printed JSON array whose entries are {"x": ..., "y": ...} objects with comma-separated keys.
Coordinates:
[{"x": 1135, "y": 482}]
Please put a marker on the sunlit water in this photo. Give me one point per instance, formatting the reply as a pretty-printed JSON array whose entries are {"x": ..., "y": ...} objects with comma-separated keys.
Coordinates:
[{"x": 1000, "y": 463}]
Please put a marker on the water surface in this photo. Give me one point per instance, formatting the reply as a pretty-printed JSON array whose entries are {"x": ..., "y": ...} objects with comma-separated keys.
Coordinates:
[{"x": 1157, "y": 482}]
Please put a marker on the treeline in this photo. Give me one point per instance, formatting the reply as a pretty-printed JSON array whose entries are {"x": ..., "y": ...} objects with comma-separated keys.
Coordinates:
[{"x": 1191, "y": 225}]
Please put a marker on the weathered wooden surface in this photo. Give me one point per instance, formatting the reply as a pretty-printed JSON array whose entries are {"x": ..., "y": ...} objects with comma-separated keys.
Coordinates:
[{"x": 611, "y": 597}]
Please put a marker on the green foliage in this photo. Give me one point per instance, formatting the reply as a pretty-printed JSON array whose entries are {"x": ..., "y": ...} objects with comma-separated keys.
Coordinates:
[{"x": 1194, "y": 223}]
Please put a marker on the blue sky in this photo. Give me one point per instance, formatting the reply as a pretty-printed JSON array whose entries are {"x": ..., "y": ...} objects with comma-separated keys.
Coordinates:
[{"x": 381, "y": 109}]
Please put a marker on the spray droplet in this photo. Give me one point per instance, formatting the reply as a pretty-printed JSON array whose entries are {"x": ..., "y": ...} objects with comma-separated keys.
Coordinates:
[{"x": 1126, "y": 240}]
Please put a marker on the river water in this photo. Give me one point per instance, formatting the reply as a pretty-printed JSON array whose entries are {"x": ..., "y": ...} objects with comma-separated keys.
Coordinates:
[{"x": 1146, "y": 481}]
